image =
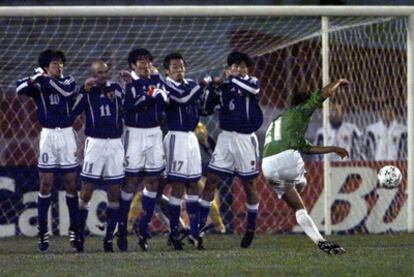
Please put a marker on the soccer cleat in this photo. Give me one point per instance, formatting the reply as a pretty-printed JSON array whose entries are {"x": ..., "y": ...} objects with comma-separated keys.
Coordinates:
[
  {"x": 107, "y": 245},
  {"x": 196, "y": 241},
  {"x": 43, "y": 241},
  {"x": 76, "y": 240},
  {"x": 330, "y": 248},
  {"x": 142, "y": 239},
  {"x": 122, "y": 240},
  {"x": 175, "y": 241},
  {"x": 247, "y": 239}
]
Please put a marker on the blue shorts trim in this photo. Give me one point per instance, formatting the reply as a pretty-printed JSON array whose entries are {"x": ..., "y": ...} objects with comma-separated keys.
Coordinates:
[
  {"x": 172, "y": 178},
  {"x": 59, "y": 169},
  {"x": 145, "y": 172},
  {"x": 100, "y": 181},
  {"x": 247, "y": 176}
]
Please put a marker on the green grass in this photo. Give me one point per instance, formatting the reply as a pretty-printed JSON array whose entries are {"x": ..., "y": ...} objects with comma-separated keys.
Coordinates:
[{"x": 270, "y": 255}]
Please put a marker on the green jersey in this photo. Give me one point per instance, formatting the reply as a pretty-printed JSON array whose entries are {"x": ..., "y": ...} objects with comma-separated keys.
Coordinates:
[{"x": 288, "y": 130}]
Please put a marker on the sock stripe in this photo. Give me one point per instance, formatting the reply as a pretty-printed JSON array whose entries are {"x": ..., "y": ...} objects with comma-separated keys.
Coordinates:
[{"x": 150, "y": 194}]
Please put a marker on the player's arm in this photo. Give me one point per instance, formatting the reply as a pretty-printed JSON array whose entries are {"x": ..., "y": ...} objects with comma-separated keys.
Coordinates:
[
  {"x": 210, "y": 100},
  {"x": 160, "y": 94},
  {"x": 331, "y": 88},
  {"x": 80, "y": 103},
  {"x": 134, "y": 99},
  {"x": 184, "y": 93},
  {"x": 251, "y": 85},
  {"x": 27, "y": 87},
  {"x": 327, "y": 149},
  {"x": 66, "y": 87}
]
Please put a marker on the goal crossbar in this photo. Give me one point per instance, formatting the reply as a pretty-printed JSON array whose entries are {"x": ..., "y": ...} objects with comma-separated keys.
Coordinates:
[{"x": 80, "y": 11}]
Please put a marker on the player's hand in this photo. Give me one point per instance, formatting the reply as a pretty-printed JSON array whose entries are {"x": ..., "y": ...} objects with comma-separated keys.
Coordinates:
[
  {"x": 217, "y": 81},
  {"x": 328, "y": 90},
  {"x": 341, "y": 152},
  {"x": 154, "y": 70},
  {"x": 89, "y": 83},
  {"x": 126, "y": 76}
]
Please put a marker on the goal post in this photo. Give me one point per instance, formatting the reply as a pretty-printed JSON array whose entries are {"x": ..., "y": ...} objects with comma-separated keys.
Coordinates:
[{"x": 292, "y": 46}]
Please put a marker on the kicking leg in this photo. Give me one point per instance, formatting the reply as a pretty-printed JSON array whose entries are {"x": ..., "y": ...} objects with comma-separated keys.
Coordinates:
[{"x": 294, "y": 200}]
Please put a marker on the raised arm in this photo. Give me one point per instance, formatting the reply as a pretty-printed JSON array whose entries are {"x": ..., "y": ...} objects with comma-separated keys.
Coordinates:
[
  {"x": 184, "y": 93},
  {"x": 330, "y": 89},
  {"x": 134, "y": 99},
  {"x": 66, "y": 87},
  {"x": 80, "y": 103},
  {"x": 251, "y": 85},
  {"x": 327, "y": 149},
  {"x": 27, "y": 87}
]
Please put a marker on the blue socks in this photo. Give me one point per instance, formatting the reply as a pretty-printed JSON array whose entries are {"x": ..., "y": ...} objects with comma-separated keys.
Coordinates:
[
  {"x": 43, "y": 203},
  {"x": 193, "y": 211},
  {"x": 252, "y": 211},
  {"x": 174, "y": 209},
  {"x": 204, "y": 211},
  {"x": 112, "y": 217},
  {"x": 148, "y": 204},
  {"x": 124, "y": 205},
  {"x": 73, "y": 206}
]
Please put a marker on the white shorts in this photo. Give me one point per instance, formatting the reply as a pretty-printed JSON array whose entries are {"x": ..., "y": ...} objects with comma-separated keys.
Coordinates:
[
  {"x": 57, "y": 150},
  {"x": 237, "y": 154},
  {"x": 283, "y": 170},
  {"x": 183, "y": 157},
  {"x": 103, "y": 162},
  {"x": 144, "y": 151}
]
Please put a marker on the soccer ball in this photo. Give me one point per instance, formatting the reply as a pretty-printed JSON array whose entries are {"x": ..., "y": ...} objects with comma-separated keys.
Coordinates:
[{"x": 389, "y": 177}]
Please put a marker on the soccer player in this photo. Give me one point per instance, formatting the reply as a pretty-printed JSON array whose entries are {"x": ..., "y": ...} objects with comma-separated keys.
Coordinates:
[
  {"x": 101, "y": 102},
  {"x": 183, "y": 168},
  {"x": 386, "y": 139},
  {"x": 54, "y": 95},
  {"x": 282, "y": 163},
  {"x": 145, "y": 105},
  {"x": 236, "y": 152},
  {"x": 341, "y": 133},
  {"x": 207, "y": 145}
]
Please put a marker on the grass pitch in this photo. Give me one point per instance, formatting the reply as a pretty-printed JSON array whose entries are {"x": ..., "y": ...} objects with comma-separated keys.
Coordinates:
[{"x": 270, "y": 255}]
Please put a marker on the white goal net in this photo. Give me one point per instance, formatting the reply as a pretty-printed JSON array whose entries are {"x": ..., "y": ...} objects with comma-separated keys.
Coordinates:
[{"x": 287, "y": 51}]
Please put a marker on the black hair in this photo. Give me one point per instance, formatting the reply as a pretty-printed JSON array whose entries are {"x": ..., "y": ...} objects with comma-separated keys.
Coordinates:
[
  {"x": 47, "y": 56},
  {"x": 237, "y": 57},
  {"x": 172, "y": 56},
  {"x": 297, "y": 97},
  {"x": 139, "y": 54}
]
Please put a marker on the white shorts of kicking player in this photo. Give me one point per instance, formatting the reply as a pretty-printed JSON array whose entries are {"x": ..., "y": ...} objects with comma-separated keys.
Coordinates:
[
  {"x": 236, "y": 154},
  {"x": 183, "y": 156},
  {"x": 144, "y": 151},
  {"x": 285, "y": 170},
  {"x": 57, "y": 150},
  {"x": 103, "y": 163}
]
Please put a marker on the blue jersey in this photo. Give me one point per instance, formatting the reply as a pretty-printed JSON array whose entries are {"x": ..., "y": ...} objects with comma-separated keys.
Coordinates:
[
  {"x": 102, "y": 106},
  {"x": 141, "y": 109},
  {"x": 185, "y": 107},
  {"x": 239, "y": 105},
  {"x": 54, "y": 98}
]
